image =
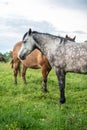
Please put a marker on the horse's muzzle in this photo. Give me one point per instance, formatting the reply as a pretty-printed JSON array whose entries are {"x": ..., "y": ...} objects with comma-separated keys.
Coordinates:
[{"x": 22, "y": 57}]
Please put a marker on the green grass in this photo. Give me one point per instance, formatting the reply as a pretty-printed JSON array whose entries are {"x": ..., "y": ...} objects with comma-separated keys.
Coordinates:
[{"x": 26, "y": 107}]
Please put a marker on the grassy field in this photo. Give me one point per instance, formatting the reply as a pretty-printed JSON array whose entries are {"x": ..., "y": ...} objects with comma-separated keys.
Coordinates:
[{"x": 26, "y": 107}]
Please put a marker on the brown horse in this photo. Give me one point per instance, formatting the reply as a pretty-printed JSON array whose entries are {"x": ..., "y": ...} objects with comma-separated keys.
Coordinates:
[
  {"x": 2, "y": 59},
  {"x": 36, "y": 60}
]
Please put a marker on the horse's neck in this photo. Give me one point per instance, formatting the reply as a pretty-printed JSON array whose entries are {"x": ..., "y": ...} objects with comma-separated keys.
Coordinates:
[
  {"x": 40, "y": 41},
  {"x": 46, "y": 41}
]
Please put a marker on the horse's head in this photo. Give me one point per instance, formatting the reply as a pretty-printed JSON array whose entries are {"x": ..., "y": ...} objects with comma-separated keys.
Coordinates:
[{"x": 28, "y": 45}]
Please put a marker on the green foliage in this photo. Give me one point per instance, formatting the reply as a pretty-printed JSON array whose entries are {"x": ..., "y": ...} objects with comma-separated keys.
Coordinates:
[
  {"x": 26, "y": 107},
  {"x": 6, "y": 55}
]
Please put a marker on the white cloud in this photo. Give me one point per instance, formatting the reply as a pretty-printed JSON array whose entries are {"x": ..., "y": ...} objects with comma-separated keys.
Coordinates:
[
  {"x": 61, "y": 18},
  {"x": 19, "y": 14}
]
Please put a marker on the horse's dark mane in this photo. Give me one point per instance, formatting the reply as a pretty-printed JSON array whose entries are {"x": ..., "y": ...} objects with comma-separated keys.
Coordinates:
[
  {"x": 53, "y": 36},
  {"x": 47, "y": 34},
  {"x": 25, "y": 35}
]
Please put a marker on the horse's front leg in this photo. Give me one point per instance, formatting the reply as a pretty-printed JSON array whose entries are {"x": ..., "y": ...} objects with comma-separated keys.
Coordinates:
[{"x": 61, "y": 77}]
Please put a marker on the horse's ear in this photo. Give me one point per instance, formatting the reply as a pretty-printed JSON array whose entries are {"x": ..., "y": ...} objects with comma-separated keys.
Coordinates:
[
  {"x": 74, "y": 38},
  {"x": 30, "y": 31},
  {"x": 66, "y": 36}
]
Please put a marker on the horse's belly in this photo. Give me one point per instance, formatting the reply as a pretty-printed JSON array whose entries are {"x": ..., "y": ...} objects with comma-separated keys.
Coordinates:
[
  {"x": 78, "y": 68},
  {"x": 34, "y": 67},
  {"x": 31, "y": 64}
]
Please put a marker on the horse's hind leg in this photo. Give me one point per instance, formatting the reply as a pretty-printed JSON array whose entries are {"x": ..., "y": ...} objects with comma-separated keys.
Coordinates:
[
  {"x": 24, "y": 73},
  {"x": 16, "y": 67},
  {"x": 15, "y": 75},
  {"x": 61, "y": 77},
  {"x": 44, "y": 84}
]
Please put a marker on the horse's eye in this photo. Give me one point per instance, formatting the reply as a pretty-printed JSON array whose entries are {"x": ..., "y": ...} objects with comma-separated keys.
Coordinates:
[{"x": 24, "y": 41}]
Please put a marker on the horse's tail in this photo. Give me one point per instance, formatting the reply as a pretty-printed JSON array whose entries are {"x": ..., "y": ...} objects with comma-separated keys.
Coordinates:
[
  {"x": 15, "y": 63},
  {"x": 18, "y": 67},
  {"x": 11, "y": 63}
]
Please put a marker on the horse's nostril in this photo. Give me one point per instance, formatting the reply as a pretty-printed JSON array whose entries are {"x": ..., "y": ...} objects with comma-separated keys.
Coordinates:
[{"x": 22, "y": 57}]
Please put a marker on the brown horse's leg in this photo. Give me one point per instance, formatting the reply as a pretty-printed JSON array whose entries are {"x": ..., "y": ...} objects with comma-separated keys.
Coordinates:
[
  {"x": 45, "y": 72},
  {"x": 15, "y": 75},
  {"x": 24, "y": 73},
  {"x": 16, "y": 67},
  {"x": 61, "y": 77},
  {"x": 19, "y": 68}
]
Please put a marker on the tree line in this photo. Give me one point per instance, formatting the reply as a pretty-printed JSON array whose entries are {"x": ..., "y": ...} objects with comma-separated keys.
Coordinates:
[{"x": 6, "y": 55}]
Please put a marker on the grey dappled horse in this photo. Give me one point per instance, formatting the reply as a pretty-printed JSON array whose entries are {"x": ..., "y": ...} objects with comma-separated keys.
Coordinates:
[{"x": 63, "y": 55}]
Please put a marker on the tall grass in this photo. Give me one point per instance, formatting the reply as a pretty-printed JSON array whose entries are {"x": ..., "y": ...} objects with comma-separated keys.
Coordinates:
[{"x": 26, "y": 107}]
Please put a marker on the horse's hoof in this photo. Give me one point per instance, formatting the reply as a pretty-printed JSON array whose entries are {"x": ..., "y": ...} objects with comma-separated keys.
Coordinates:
[
  {"x": 15, "y": 83},
  {"x": 25, "y": 83},
  {"x": 62, "y": 101},
  {"x": 45, "y": 90}
]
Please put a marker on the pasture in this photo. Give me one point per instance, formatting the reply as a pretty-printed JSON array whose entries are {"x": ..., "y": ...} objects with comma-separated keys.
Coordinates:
[{"x": 26, "y": 107}]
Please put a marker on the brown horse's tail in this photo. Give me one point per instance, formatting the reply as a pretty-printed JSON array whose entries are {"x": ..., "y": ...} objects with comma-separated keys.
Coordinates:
[
  {"x": 18, "y": 66},
  {"x": 15, "y": 63},
  {"x": 11, "y": 63}
]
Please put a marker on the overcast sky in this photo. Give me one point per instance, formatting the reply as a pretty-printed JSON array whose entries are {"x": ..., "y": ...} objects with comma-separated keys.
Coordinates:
[{"x": 59, "y": 17}]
